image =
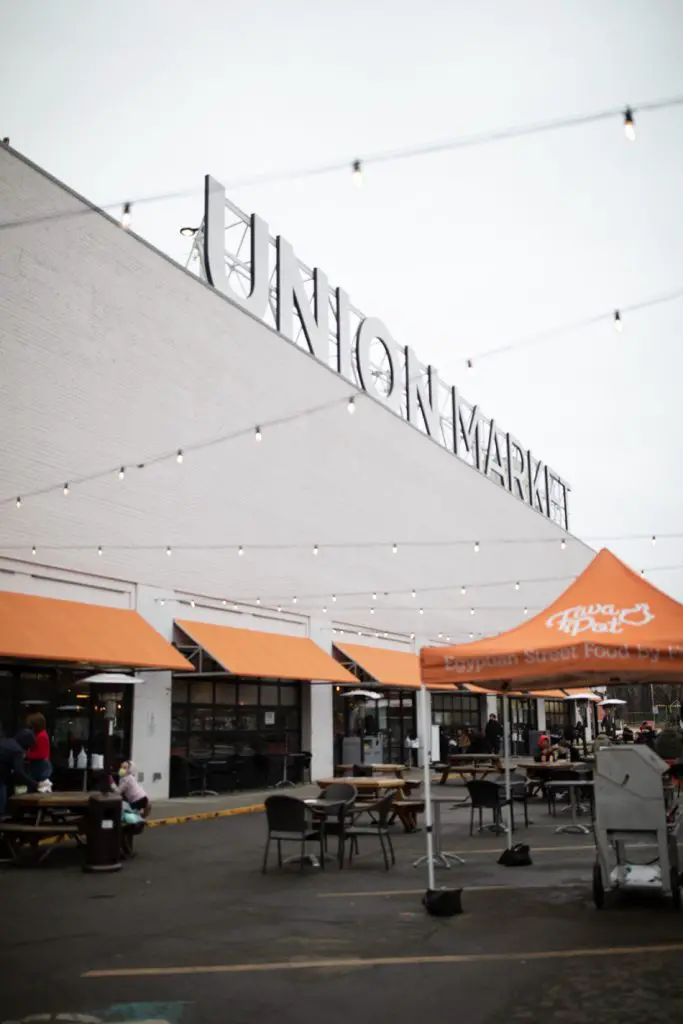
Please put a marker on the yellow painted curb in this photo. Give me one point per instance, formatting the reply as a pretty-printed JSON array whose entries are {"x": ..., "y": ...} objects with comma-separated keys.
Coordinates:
[{"x": 182, "y": 819}]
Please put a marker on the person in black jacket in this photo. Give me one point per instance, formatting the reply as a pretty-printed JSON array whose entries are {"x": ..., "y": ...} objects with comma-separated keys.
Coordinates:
[
  {"x": 13, "y": 770},
  {"x": 494, "y": 734}
]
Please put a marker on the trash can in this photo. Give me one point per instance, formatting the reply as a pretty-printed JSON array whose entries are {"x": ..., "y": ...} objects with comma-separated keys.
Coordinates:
[{"x": 103, "y": 833}]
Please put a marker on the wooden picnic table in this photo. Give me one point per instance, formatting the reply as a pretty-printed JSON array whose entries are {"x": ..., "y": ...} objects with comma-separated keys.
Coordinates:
[
  {"x": 369, "y": 783},
  {"x": 379, "y": 769},
  {"x": 470, "y": 766}
]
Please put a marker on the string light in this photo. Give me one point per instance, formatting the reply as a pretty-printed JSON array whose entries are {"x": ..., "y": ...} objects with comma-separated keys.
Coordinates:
[
  {"x": 224, "y": 603},
  {"x": 471, "y": 611},
  {"x": 471, "y": 636},
  {"x": 629, "y": 125},
  {"x": 563, "y": 544},
  {"x": 279, "y": 609},
  {"x": 526, "y": 610},
  {"x": 99, "y": 552},
  {"x": 463, "y": 590},
  {"x": 517, "y": 585},
  {"x": 192, "y": 604},
  {"x": 476, "y": 547},
  {"x": 294, "y": 600},
  {"x": 168, "y": 552},
  {"x": 66, "y": 490},
  {"x": 394, "y": 549},
  {"x": 240, "y": 551},
  {"x": 126, "y": 216},
  {"x": 18, "y": 502},
  {"x": 616, "y": 320},
  {"x": 413, "y": 594},
  {"x": 315, "y": 549},
  {"x": 422, "y": 611},
  {"x": 654, "y": 540},
  {"x": 374, "y": 597},
  {"x": 162, "y": 601},
  {"x": 33, "y": 551},
  {"x": 357, "y": 173},
  {"x": 258, "y": 600},
  {"x": 351, "y": 406},
  {"x": 412, "y": 636},
  {"x": 372, "y": 611},
  {"x": 122, "y": 472},
  {"x": 324, "y": 611},
  {"x": 440, "y": 636},
  {"x": 334, "y": 599},
  {"x": 179, "y": 456},
  {"x": 257, "y": 434}
]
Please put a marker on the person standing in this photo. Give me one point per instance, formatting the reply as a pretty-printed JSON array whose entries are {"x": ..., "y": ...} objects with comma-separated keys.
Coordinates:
[
  {"x": 39, "y": 764},
  {"x": 12, "y": 769},
  {"x": 494, "y": 734}
]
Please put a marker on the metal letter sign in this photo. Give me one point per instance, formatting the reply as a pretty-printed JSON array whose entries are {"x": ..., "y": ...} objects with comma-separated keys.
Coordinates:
[{"x": 239, "y": 257}]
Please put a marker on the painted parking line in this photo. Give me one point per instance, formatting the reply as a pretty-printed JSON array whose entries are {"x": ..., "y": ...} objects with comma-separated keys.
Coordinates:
[{"x": 341, "y": 963}]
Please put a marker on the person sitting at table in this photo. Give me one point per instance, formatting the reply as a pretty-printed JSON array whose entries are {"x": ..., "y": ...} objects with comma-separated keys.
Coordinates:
[
  {"x": 131, "y": 790},
  {"x": 39, "y": 765},
  {"x": 478, "y": 744},
  {"x": 12, "y": 770},
  {"x": 544, "y": 751}
]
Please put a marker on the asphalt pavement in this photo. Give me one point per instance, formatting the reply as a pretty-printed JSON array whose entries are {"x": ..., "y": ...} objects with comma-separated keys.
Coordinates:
[{"x": 191, "y": 932}]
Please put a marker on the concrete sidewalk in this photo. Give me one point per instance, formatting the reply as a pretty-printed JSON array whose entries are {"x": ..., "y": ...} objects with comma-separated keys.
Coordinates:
[{"x": 203, "y": 808}]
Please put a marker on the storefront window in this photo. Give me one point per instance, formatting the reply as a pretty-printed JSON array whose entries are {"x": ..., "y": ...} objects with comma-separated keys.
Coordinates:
[
  {"x": 556, "y": 715},
  {"x": 242, "y": 726},
  {"x": 456, "y": 711}
]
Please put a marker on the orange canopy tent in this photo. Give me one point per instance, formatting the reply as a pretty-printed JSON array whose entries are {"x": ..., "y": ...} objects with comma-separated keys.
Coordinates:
[{"x": 609, "y": 625}]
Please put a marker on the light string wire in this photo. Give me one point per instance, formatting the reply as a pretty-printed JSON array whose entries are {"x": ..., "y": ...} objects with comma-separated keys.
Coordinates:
[
  {"x": 383, "y": 156},
  {"x": 178, "y": 454}
]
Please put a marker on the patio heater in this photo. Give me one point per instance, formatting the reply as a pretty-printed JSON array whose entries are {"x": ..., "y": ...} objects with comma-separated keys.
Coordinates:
[{"x": 113, "y": 695}]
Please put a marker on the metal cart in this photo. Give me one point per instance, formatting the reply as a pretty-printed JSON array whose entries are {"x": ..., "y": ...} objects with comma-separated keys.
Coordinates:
[{"x": 636, "y": 805}]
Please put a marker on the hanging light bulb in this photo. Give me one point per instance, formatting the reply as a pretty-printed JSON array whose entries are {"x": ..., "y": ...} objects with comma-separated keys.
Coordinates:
[
  {"x": 357, "y": 173},
  {"x": 315, "y": 549},
  {"x": 617, "y": 321},
  {"x": 294, "y": 600},
  {"x": 334, "y": 599},
  {"x": 422, "y": 611},
  {"x": 33, "y": 551},
  {"x": 126, "y": 216},
  {"x": 394, "y": 549},
  {"x": 563, "y": 544},
  {"x": 439, "y": 636},
  {"x": 448, "y": 639},
  {"x": 372, "y": 611},
  {"x": 66, "y": 490},
  {"x": 471, "y": 636},
  {"x": 412, "y": 636},
  {"x": 224, "y": 602},
  {"x": 351, "y": 406},
  {"x": 324, "y": 611},
  {"x": 471, "y": 611},
  {"x": 168, "y": 551},
  {"x": 99, "y": 552},
  {"x": 413, "y": 594},
  {"x": 18, "y": 502},
  {"x": 463, "y": 590},
  {"x": 162, "y": 601},
  {"x": 257, "y": 434},
  {"x": 258, "y": 600},
  {"x": 374, "y": 597},
  {"x": 279, "y": 609},
  {"x": 192, "y": 604},
  {"x": 654, "y": 540},
  {"x": 629, "y": 125},
  {"x": 476, "y": 547},
  {"x": 526, "y": 610},
  {"x": 517, "y": 586},
  {"x": 122, "y": 472},
  {"x": 179, "y": 456},
  {"x": 240, "y": 551}
]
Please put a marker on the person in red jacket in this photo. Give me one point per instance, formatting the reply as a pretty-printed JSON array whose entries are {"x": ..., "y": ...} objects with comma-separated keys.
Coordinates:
[{"x": 39, "y": 764}]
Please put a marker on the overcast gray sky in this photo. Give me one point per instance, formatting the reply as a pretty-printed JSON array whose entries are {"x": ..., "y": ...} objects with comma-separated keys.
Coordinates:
[{"x": 457, "y": 252}]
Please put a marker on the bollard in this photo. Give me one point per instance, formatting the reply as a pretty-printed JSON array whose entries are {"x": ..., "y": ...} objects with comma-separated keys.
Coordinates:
[{"x": 103, "y": 833}]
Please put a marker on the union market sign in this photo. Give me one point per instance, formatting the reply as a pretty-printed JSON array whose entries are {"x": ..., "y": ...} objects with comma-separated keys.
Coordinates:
[{"x": 240, "y": 259}]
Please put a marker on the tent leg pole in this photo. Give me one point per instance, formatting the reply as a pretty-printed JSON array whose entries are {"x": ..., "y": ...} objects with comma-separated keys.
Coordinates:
[
  {"x": 426, "y": 775},
  {"x": 506, "y": 755}
]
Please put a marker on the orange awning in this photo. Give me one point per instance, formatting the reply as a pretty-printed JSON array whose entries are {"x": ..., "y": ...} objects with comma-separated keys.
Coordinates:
[
  {"x": 250, "y": 652},
  {"x": 47, "y": 629},
  {"x": 387, "y": 668},
  {"x": 609, "y": 625}
]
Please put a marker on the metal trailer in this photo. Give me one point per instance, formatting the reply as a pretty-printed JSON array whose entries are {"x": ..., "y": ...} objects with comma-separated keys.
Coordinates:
[{"x": 636, "y": 804}]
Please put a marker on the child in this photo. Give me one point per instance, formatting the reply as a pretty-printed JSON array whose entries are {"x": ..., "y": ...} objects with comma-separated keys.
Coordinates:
[{"x": 131, "y": 790}]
